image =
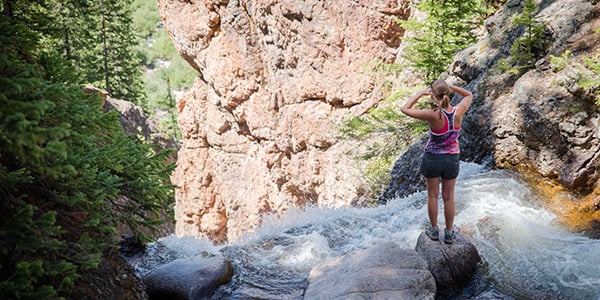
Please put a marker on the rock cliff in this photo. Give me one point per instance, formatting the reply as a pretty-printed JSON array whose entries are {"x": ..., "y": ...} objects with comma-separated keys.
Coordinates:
[{"x": 275, "y": 79}]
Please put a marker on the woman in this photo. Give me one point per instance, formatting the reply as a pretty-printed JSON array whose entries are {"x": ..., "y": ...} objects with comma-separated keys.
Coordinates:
[{"x": 442, "y": 153}]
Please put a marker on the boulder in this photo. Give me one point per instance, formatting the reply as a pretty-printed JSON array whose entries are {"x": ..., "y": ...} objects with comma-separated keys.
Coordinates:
[
  {"x": 186, "y": 279},
  {"x": 382, "y": 272},
  {"x": 452, "y": 265}
]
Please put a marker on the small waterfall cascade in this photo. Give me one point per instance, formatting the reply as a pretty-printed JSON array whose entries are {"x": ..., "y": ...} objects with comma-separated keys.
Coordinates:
[{"x": 525, "y": 251}]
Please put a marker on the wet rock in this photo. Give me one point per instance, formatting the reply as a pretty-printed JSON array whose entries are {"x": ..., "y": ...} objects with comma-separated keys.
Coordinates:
[
  {"x": 594, "y": 231},
  {"x": 130, "y": 246},
  {"x": 186, "y": 279},
  {"x": 381, "y": 272},
  {"x": 405, "y": 174},
  {"x": 452, "y": 265}
]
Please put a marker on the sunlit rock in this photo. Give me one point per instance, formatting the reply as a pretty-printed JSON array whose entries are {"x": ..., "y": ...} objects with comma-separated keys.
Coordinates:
[
  {"x": 259, "y": 125},
  {"x": 382, "y": 272}
]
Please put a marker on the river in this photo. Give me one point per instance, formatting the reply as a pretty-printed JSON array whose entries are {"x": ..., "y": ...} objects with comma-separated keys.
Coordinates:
[{"x": 526, "y": 253}]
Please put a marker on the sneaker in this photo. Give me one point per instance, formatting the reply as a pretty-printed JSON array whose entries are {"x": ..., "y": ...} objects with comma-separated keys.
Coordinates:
[
  {"x": 449, "y": 236},
  {"x": 433, "y": 233}
]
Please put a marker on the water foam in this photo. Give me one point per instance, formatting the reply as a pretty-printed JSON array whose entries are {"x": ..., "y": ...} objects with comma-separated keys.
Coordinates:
[{"x": 526, "y": 253}]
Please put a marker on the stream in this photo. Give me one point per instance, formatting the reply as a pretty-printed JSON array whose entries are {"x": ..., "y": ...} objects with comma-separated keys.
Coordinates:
[{"x": 525, "y": 253}]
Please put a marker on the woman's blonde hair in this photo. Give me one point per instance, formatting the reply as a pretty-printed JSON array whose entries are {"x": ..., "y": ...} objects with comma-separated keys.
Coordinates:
[{"x": 442, "y": 91}]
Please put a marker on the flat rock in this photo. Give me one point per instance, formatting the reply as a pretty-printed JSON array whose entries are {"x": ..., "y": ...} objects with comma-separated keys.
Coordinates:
[{"x": 382, "y": 272}]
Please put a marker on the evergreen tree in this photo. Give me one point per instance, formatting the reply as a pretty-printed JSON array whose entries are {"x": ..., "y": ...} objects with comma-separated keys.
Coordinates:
[
  {"x": 528, "y": 47},
  {"x": 447, "y": 28},
  {"x": 122, "y": 64},
  {"x": 98, "y": 36},
  {"x": 68, "y": 173}
]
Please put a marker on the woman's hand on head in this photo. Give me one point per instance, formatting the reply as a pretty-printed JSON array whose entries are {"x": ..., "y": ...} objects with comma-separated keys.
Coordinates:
[{"x": 421, "y": 114}]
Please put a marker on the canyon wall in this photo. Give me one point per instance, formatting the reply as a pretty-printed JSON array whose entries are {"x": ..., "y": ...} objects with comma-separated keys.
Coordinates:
[{"x": 259, "y": 126}]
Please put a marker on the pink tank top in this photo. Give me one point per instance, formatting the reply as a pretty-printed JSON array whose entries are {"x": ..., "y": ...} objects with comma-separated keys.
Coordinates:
[{"x": 445, "y": 140}]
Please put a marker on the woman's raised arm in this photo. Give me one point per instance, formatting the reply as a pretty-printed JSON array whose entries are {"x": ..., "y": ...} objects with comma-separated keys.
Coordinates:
[
  {"x": 420, "y": 114},
  {"x": 466, "y": 101}
]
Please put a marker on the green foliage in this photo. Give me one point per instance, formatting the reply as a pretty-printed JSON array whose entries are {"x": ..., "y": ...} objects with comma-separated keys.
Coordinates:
[
  {"x": 378, "y": 67},
  {"x": 179, "y": 76},
  {"x": 491, "y": 6},
  {"x": 385, "y": 124},
  {"x": 98, "y": 39},
  {"x": 447, "y": 28},
  {"x": 592, "y": 82},
  {"x": 162, "y": 48},
  {"x": 167, "y": 71},
  {"x": 68, "y": 173},
  {"x": 145, "y": 17},
  {"x": 558, "y": 63},
  {"x": 385, "y": 73},
  {"x": 383, "y": 119},
  {"x": 586, "y": 75},
  {"x": 530, "y": 46}
]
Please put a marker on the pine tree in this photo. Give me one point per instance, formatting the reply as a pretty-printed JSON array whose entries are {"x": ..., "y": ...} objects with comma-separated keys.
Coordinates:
[
  {"x": 100, "y": 40},
  {"x": 122, "y": 64},
  {"x": 447, "y": 28},
  {"x": 68, "y": 173},
  {"x": 528, "y": 47}
]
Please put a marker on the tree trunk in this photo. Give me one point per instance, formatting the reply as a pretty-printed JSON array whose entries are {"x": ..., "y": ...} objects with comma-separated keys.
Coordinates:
[{"x": 104, "y": 48}]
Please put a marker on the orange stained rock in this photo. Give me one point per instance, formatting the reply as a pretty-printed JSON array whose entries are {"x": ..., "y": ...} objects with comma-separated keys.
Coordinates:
[{"x": 577, "y": 213}]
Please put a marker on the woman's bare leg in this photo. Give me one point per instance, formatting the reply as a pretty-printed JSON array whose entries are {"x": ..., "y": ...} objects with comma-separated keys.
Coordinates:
[
  {"x": 433, "y": 192},
  {"x": 448, "y": 196}
]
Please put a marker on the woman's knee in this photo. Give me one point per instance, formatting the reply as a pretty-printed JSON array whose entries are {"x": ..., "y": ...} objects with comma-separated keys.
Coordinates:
[{"x": 447, "y": 197}]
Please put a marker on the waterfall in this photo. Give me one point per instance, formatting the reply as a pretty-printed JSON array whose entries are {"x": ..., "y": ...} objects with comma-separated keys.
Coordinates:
[{"x": 525, "y": 251}]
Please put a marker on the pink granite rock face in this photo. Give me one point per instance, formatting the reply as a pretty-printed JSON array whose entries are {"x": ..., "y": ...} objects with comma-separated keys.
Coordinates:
[{"x": 275, "y": 80}]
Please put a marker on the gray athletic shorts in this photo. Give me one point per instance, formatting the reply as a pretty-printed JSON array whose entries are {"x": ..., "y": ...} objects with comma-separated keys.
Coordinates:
[{"x": 440, "y": 165}]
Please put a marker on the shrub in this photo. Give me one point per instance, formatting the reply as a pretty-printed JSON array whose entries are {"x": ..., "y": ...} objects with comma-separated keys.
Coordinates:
[{"x": 592, "y": 81}]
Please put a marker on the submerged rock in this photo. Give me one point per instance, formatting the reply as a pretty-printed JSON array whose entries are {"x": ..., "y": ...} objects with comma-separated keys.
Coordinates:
[
  {"x": 186, "y": 279},
  {"x": 452, "y": 265},
  {"x": 382, "y": 272}
]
